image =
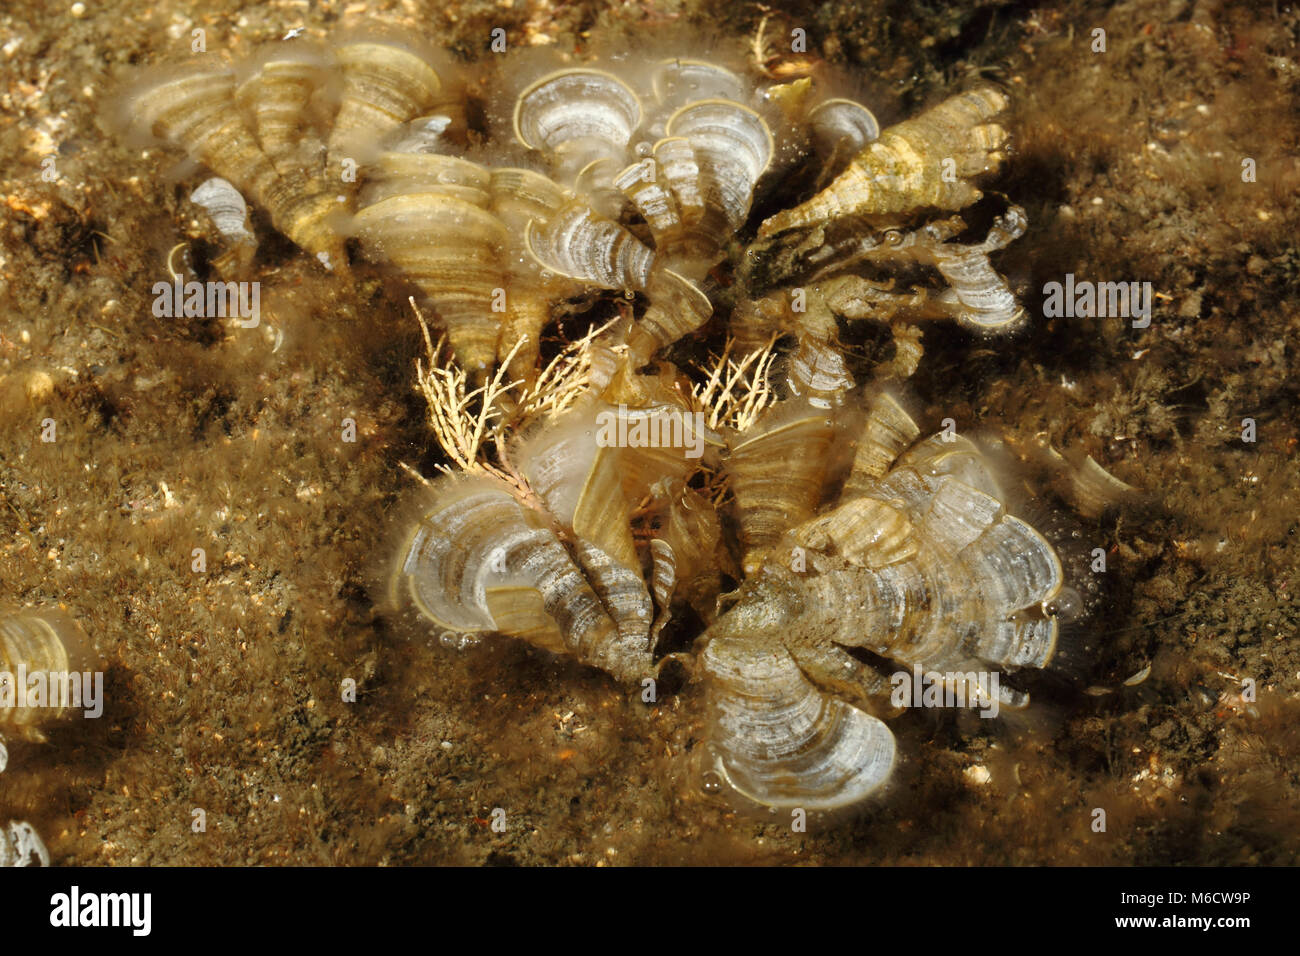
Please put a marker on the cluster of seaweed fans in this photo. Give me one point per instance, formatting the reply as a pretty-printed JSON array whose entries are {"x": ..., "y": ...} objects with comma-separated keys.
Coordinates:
[{"x": 795, "y": 517}]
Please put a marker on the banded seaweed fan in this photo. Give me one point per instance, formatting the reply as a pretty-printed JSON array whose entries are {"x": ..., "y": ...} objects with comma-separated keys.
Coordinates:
[{"x": 640, "y": 179}]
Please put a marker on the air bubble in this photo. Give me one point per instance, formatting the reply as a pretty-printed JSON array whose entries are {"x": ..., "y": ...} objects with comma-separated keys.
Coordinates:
[{"x": 1066, "y": 606}]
